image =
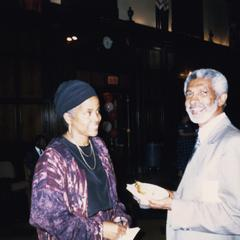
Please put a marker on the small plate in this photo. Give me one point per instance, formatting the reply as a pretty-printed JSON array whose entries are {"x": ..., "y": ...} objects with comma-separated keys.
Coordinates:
[{"x": 147, "y": 192}]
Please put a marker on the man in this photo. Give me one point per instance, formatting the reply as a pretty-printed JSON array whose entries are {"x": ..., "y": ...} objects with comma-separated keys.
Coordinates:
[{"x": 206, "y": 205}]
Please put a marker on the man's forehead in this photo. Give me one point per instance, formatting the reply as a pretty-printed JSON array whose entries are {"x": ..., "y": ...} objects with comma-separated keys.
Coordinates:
[{"x": 199, "y": 83}]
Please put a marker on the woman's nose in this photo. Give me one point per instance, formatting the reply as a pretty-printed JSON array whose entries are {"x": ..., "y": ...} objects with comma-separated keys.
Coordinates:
[{"x": 97, "y": 117}]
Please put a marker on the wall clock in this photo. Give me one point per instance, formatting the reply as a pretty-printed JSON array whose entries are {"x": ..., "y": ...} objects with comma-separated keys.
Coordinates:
[{"x": 107, "y": 42}]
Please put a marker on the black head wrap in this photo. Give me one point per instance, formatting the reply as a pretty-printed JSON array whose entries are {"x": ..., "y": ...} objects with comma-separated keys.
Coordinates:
[{"x": 70, "y": 94}]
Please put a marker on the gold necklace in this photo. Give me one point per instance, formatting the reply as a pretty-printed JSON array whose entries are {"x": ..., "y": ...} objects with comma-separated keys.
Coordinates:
[
  {"x": 85, "y": 154},
  {"x": 82, "y": 153}
]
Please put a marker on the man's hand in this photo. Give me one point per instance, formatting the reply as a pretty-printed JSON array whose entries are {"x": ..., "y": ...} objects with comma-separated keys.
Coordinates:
[
  {"x": 165, "y": 203},
  {"x": 113, "y": 231}
]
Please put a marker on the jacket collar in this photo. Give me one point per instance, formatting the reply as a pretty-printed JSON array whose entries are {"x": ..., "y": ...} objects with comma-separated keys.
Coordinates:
[{"x": 212, "y": 130}]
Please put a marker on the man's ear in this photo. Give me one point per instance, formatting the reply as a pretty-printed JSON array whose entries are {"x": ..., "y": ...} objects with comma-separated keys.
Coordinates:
[
  {"x": 67, "y": 117},
  {"x": 222, "y": 100}
]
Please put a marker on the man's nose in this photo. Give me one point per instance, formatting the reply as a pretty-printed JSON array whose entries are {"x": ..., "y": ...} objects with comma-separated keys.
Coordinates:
[{"x": 194, "y": 98}]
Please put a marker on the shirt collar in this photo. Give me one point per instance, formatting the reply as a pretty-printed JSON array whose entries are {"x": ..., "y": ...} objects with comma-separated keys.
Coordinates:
[
  {"x": 39, "y": 150},
  {"x": 206, "y": 129}
]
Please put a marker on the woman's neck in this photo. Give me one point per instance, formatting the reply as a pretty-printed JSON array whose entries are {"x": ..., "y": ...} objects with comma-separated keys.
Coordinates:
[{"x": 80, "y": 141}]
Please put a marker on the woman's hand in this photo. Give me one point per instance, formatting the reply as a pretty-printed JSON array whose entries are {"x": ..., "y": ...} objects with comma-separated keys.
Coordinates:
[{"x": 113, "y": 231}]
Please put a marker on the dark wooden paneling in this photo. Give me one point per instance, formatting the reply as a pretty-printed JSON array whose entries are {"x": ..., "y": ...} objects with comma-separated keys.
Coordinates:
[
  {"x": 8, "y": 123},
  {"x": 7, "y": 77}
]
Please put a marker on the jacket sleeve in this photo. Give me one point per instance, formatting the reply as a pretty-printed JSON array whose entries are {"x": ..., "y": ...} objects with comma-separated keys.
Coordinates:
[
  {"x": 119, "y": 214},
  {"x": 50, "y": 210},
  {"x": 223, "y": 216}
]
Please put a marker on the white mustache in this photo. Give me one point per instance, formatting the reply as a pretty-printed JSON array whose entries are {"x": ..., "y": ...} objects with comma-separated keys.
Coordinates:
[
  {"x": 196, "y": 108},
  {"x": 200, "y": 113}
]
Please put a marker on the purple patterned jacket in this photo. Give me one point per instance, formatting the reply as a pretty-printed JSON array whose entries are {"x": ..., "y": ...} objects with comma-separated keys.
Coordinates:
[{"x": 59, "y": 196}]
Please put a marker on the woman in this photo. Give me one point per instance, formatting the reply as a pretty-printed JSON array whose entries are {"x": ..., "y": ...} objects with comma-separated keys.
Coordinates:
[{"x": 74, "y": 190}]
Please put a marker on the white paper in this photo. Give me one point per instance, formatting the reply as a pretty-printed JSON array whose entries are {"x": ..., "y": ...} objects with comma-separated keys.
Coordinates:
[{"x": 130, "y": 234}]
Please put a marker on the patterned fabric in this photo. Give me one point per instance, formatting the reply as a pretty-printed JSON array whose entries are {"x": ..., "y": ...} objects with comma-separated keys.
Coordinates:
[
  {"x": 162, "y": 4},
  {"x": 59, "y": 196}
]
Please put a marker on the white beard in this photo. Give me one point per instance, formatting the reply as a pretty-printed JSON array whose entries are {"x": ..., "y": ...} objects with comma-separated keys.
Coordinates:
[{"x": 205, "y": 115}]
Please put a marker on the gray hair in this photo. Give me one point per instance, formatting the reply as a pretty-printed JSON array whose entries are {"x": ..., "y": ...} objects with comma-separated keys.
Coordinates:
[{"x": 218, "y": 80}]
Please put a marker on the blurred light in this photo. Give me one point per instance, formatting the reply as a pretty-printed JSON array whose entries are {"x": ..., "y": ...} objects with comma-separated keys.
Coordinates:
[
  {"x": 69, "y": 39},
  {"x": 72, "y": 38},
  {"x": 184, "y": 74}
]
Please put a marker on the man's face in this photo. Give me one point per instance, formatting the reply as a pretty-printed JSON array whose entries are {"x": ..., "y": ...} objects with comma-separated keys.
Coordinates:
[{"x": 201, "y": 101}]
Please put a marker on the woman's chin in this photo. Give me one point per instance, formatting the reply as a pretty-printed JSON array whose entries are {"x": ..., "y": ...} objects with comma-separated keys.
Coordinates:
[{"x": 93, "y": 134}]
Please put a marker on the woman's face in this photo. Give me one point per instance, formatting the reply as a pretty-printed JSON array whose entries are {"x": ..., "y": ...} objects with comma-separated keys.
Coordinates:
[{"x": 84, "y": 119}]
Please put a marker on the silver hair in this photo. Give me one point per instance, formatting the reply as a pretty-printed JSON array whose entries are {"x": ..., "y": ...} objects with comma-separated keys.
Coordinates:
[{"x": 218, "y": 80}]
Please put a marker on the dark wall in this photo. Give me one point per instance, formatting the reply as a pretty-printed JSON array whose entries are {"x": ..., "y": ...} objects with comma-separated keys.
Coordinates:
[
  {"x": 36, "y": 57},
  {"x": 187, "y": 17}
]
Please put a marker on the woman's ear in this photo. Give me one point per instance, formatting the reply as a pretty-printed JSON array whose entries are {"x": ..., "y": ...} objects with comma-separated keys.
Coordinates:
[
  {"x": 222, "y": 100},
  {"x": 67, "y": 117}
]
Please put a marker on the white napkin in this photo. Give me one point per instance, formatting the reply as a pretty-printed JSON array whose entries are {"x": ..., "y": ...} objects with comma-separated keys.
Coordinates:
[
  {"x": 151, "y": 192},
  {"x": 130, "y": 234}
]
